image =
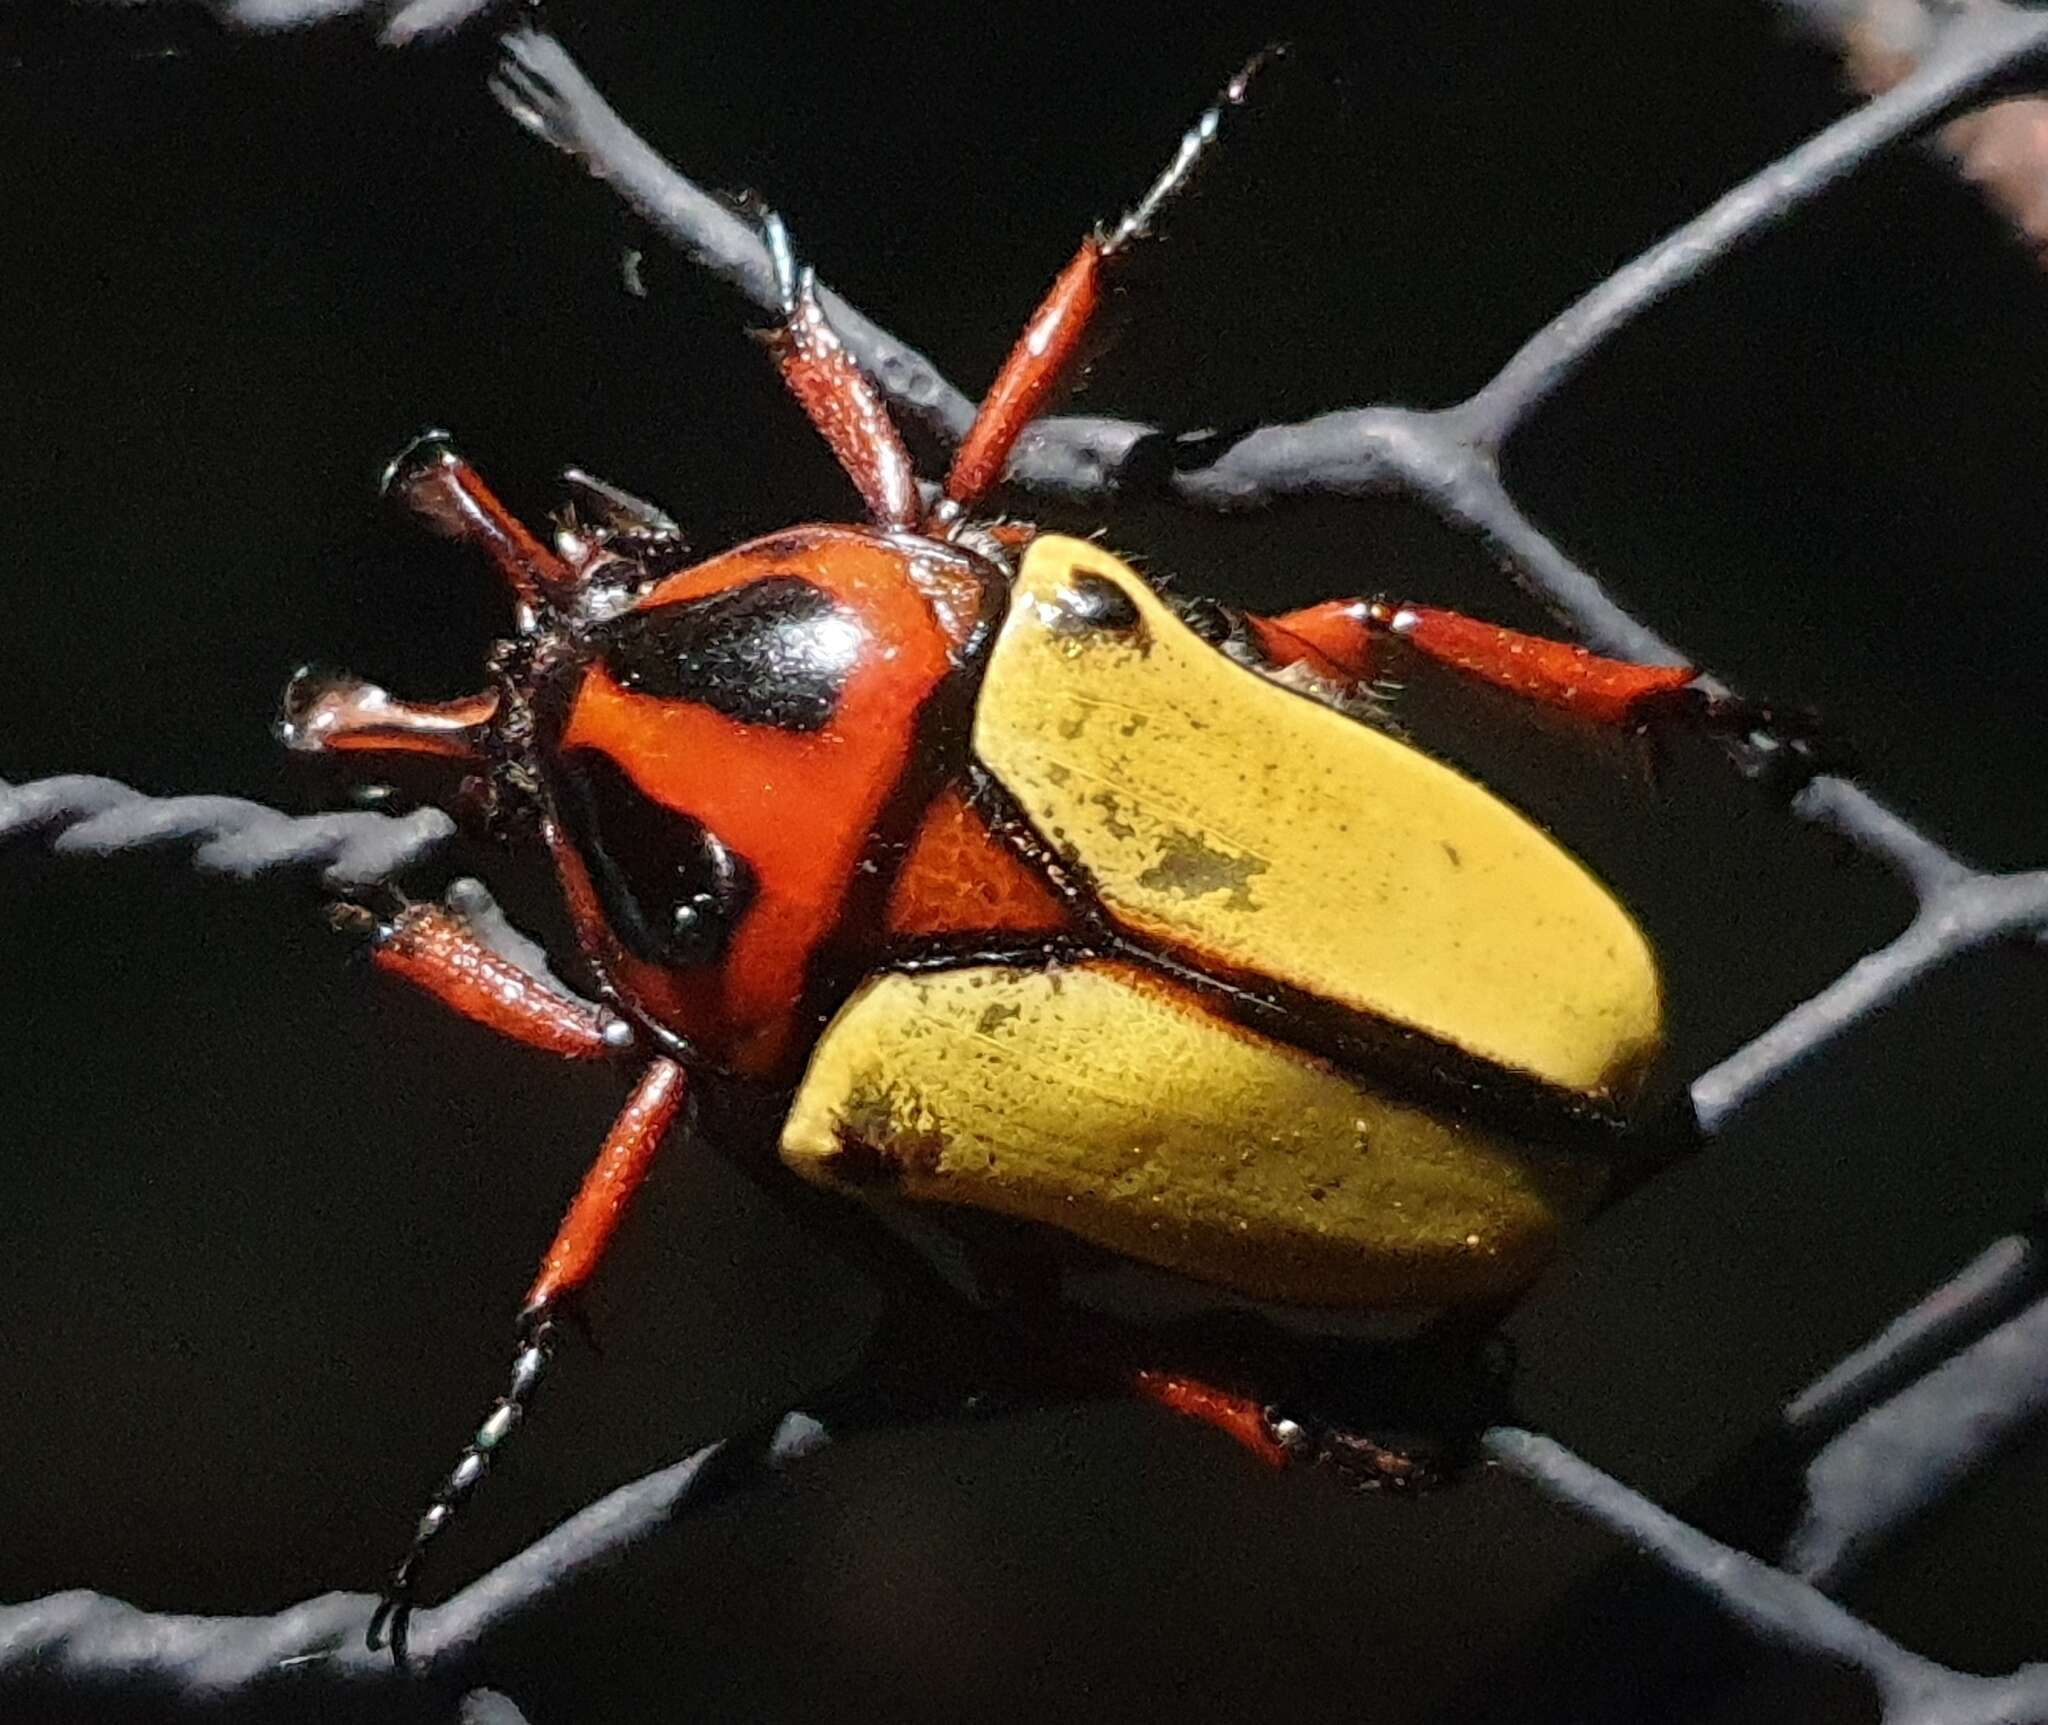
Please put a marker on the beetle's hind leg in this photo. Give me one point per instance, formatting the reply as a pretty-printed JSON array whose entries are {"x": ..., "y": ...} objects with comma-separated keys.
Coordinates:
[
  {"x": 593, "y": 1219},
  {"x": 1343, "y": 639}
]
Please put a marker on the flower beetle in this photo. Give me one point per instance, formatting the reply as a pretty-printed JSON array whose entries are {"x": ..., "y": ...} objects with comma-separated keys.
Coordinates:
[{"x": 1035, "y": 906}]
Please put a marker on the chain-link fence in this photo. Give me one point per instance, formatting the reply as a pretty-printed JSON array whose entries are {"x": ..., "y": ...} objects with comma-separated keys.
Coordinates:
[{"x": 1870, "y": 1448}]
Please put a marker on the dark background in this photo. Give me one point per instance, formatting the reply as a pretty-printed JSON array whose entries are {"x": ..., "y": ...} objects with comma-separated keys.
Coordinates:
[{"x": 264, "y": 1218}]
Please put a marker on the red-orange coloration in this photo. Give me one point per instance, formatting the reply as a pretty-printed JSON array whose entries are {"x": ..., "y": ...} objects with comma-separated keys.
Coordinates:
[
  {"x": 843, "y": 405},
  {"x": 1607, "y": 691},
  {"x": 451, "y": 496},
  {"x": 1234, "y": 1415},
  {"x": 1340, "y": 656},
  {"x": 335, "y": 715},
  {"x": 799, "y": 806},
  {"x": 1556, "y": 673},
  {"x": 436, "y": 951},
  {"x": 600, "y": 1202},
  {"x": 959, "y": 878},
  {"x": 1036, "y": 364}
]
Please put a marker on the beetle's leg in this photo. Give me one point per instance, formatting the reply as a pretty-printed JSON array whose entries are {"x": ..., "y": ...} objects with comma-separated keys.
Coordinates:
[
  {"x": 449, "y": 495},
  {"x": 1046, "y": 351},
  {"x": 1341, "y": 639},
  {"x": 835, "y": 393},
  {"x": 323, "y": 713},
  {"x": 1240, "y": 1418},
  {"x": 594, "y": 1216},
  {"x": 435, "y": 950},
  {"x": 1279, "y": 1441}
]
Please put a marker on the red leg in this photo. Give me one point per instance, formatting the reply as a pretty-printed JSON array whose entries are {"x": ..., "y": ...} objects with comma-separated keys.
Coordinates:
[
  {"x": 1046, "y": 351},
  {"x": 1342, "y": 636},
  {"x": 1280, "y": 1442},
  {"x": 435, "y": 950},
  {"x": 608, "y": 1189},
  {"x": 1236, "y": 1416},
  {"x": 326, "y": 714},
  {"x": 437, "y": 485},
  {"x": 1036, "y": 366},
  {"x": 837, "y": 396},
  {"x": 593, "y": 1219}
]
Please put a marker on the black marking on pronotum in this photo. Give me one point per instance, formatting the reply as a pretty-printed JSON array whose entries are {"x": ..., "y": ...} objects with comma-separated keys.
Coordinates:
[
  {"x": 777, "y": 651},
  {"x": 672, "y": 892}
]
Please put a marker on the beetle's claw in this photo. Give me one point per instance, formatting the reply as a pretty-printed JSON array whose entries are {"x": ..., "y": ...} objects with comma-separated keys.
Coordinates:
[
  {"x": 392, "y": 1619},
  {"x": 789, "y": 277}
]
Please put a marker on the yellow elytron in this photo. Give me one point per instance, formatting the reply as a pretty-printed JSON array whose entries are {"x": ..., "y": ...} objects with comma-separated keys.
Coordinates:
[{"x": 1245, "y": 841}]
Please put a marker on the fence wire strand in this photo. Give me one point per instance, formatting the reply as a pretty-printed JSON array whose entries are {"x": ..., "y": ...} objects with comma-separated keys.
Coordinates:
[{"x": 1886, "y": 1434}]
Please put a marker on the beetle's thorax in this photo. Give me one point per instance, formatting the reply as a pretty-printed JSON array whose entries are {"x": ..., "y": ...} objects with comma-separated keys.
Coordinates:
[{"x": 731, "y": 765}]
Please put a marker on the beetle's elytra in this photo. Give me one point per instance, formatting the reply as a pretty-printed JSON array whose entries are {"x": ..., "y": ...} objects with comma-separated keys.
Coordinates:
[{"x": 1031, "y": 898}]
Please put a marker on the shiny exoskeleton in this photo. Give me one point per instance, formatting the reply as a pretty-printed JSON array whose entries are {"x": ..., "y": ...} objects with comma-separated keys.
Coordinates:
[{"x": 1027, "y": 894}]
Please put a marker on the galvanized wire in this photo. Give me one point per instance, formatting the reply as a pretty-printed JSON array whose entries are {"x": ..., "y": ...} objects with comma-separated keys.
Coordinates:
[{"x": 1885, "y": 1435}]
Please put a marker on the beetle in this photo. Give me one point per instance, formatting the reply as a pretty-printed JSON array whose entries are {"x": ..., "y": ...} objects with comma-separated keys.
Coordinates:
[{"x": 1059, "y": 922}]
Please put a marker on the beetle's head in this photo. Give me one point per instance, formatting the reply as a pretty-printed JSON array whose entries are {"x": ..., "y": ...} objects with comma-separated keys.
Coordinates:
[{"x": 723, "y": 759}]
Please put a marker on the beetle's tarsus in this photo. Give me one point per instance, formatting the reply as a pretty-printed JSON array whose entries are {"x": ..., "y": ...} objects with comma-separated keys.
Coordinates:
[
  {"x": 1195, "y": 144},
  {"x": 1784, "y": 745},
  {"x": 537, "y": 1327},
  {"x": 1370, "y": 1466}
]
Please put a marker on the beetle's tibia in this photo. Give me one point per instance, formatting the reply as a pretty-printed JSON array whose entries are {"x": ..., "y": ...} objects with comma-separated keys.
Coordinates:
[
  {"x": 444, "y": 491},
  {"x": 835, "y": 393},
  {"x": 324, "y": 712},
  {"x": 437, "y": 951}
]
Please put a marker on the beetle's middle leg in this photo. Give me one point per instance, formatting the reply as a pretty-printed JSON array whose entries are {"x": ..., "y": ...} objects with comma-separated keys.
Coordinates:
[
  {"x": 1343, "y": 640},
  {"x": 586, "y": 1231}
]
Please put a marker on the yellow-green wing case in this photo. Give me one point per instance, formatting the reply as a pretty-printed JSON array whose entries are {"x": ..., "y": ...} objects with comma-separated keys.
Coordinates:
[
  {"x": 1112, "y": 1103},
  {"x": 1231, "y": 820}
]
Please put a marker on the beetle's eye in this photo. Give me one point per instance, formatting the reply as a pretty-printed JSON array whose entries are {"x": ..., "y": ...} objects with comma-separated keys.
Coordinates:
[
  {"x": 672, "y": 892},
  {"x": 1094, "y": 602},
  {"x": 777, "y": 651}
]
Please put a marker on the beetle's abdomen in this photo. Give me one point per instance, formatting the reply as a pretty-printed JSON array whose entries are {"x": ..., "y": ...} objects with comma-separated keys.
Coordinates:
[
  {"x": 1253, "y": 833},
  {"x": 1109, "y": 1102}
]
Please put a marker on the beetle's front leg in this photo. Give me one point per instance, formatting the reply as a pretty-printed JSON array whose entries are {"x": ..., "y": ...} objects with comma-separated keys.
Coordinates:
[
  {"x": 435, "y": 950},
  {"x": 593, "y": 1219}
]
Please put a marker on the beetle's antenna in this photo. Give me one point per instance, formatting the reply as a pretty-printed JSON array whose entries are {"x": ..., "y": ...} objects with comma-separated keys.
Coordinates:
[{"x": 1195, "y": 146}]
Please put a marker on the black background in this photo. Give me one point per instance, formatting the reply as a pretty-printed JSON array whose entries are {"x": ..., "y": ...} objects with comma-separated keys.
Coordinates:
[{"x": 263, "y": 1219}]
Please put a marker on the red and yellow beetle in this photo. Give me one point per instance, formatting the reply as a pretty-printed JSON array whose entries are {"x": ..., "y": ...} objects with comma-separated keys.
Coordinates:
[{"x": 1033, "y": 903}]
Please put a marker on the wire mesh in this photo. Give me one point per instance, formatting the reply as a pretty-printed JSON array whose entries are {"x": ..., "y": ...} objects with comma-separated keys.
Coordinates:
[{"x": 1879, "y": 1441}]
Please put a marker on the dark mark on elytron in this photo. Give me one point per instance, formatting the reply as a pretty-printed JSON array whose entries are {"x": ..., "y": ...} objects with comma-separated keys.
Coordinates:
[
  {"x": 776, "y": 651},
  {"x": 1188, "y": 867}
]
